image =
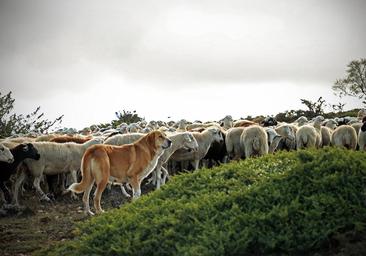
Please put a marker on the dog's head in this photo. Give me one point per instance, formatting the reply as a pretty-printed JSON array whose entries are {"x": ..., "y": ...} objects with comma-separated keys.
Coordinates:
[{"x": 159, "y": 140}]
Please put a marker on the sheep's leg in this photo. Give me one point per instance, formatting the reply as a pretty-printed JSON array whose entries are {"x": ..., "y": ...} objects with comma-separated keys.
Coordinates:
[
  {"x": 74, "y": 179},
  {"x": 37, "y": 186},
  {"x": 158, "y": 177},
  {"x": 196, "y": 163},
  {"x": 6, "y": 192},
  {"x": 18, "y": 186},
  {"x": 165, "y": 175},
  {"x": 153, "y": 177}
]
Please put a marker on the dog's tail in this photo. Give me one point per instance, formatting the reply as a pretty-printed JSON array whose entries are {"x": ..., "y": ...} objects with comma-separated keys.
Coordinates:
[{"x": 86, "y": 174}]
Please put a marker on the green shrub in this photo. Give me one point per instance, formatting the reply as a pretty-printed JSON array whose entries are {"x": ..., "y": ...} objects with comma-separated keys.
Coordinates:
[{"x": 291, "y": 202}]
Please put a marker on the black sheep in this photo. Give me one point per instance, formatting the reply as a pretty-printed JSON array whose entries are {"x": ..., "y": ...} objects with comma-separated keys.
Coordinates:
[{"x": 20, "y": 152}]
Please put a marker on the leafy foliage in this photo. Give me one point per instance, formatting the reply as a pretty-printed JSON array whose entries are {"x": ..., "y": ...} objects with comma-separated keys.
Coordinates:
[
  {"x": 20, "y": 124},
  {"x": 292, "y": 202},
  {"x": 354, "y": 84},
  {"x": 313, "y": 109},
  {"x": 316, "y": 108},
  {"x": 125, "y": 116}
]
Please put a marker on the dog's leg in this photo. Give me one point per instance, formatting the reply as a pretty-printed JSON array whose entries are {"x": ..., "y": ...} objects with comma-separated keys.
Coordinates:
[
  {"x": 86, "y": 199},
  {"x": 98, "y": 195},
  {"x": 136, "y": 189},
  {"x": 124, "y": 192}
]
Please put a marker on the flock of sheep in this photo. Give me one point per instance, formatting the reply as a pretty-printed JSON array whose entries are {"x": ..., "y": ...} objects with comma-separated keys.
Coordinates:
[{"x": 194, "y": 144}]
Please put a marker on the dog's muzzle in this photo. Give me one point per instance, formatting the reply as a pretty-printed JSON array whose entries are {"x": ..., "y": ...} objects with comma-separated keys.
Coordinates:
[
  {"x": 167, "y": 144},
  {"x": 10, "y": 160}
]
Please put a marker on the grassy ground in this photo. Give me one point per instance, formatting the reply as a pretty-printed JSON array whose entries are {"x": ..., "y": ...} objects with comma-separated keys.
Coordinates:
[
  {"x": 303, "y": 202},
  {"x": 309, "y": 203}
]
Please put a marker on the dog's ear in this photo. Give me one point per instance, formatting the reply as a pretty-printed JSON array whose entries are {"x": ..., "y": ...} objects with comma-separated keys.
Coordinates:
[{"x": 151, "y": 138}]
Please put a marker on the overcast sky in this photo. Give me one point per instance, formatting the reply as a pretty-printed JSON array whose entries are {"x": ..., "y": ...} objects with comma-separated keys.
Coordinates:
[{"x": 183, "y": 59}]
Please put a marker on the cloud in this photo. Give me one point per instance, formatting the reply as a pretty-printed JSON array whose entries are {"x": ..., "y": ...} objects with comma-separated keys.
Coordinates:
[
  {"x": 185, "y": 42},
  {"x": 74, "y": 48}
]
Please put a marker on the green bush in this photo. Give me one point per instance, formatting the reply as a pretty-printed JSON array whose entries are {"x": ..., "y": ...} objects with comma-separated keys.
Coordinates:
[{"x": 291, "y": 202}]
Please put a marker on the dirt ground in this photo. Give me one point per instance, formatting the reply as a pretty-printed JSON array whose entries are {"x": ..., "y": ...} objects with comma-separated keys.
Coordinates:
[{"x": 41, "y": 224}]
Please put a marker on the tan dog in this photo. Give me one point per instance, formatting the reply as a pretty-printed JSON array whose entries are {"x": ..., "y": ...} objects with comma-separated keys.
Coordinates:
[{"x": 127, "y": 163}]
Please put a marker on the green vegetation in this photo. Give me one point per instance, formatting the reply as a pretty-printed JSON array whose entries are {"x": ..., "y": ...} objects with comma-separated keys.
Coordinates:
[
  {"x": 125, "y": 116},
  {"x": 291, "y": 202},
  {"x": 354, "y": 84},
  {"x": 314, "y": 109},
  {"x": 11, "y": 123}
]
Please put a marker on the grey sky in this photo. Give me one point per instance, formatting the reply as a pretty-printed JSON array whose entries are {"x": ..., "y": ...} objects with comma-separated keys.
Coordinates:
[{"x": 73, "y": 57}]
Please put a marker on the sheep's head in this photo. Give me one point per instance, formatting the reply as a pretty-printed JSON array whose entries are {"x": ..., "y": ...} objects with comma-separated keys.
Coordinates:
[
  {"x": 332, "y": 124},
  {"x": 190, "y": 142},
  {"x": 319, "y": 119},
  {"x": 5, "y": 154},
  {"x": 216, "y": 133},
  {"x": 301, "y": 120}
]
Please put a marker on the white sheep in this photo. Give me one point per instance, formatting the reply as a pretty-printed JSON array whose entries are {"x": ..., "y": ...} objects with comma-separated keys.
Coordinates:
[
  {"x": 326, "y": 134},
  {"x": 134, "y": 128},
  {"x": 344, "y": 136},
  {"x": 184, "y": 140},
  {"x": 232, "y": 142},
  {"x": 5, "y": 154},
  {"x": 20, "y": 140},
  {"x": 310, "y": 135},
  {"x": 122, "y": 139},
  {"x": 287, "y": 132},
  {"x": 331, "y": 123},
  {"x": 357, "y": 126},
  {"x": 273, "y": 139},
  {"x": 182, "y": 125},
  {"x": 55, "y": 158},
  {"x": 361, "y": 114},
  {"x": 254, "y": 141},
  {"x": 302, "y": 120},
  {"x": 204, "y": 141},
  {"x": 227, "y": 122}
]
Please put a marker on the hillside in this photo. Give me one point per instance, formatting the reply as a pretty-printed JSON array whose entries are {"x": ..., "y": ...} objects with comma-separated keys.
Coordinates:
[{"x": 291, "y": 202}]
